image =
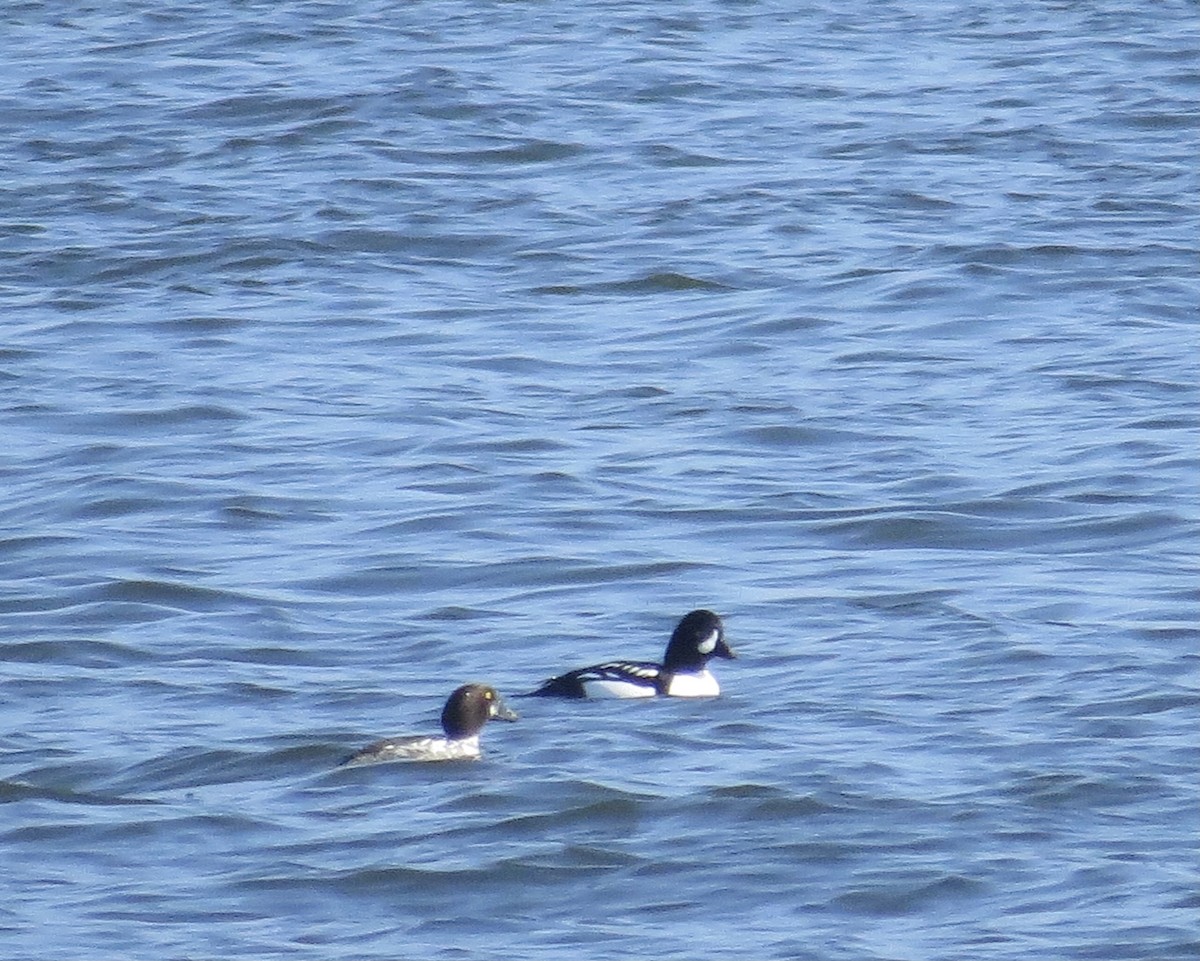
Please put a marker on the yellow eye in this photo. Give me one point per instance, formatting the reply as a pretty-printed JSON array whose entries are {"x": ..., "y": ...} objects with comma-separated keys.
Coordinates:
[{"x": 488, "y": 695}]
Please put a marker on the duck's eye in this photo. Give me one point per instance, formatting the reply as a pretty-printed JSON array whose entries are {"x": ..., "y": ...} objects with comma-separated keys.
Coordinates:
[{"x": 488, "y": 695}]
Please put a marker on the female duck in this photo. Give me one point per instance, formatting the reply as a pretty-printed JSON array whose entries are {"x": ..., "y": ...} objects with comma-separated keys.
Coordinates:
[{"x": 467, "y": 710}]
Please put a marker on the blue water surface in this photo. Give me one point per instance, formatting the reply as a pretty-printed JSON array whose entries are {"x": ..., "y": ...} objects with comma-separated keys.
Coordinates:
[{"x": 355, "y": 351}]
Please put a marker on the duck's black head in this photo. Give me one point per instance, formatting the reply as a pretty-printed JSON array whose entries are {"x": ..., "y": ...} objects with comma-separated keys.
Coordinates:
[{"x": 698, "y": 637}]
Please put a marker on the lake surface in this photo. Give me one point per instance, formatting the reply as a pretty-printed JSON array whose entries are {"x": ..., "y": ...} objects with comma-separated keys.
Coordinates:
[{"x": 354, "y": 351}]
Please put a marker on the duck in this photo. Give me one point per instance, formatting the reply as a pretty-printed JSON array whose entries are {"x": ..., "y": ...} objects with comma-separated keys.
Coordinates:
[
  {"x": 467, "y": 710},
  {"x": 698, "y": 637}
]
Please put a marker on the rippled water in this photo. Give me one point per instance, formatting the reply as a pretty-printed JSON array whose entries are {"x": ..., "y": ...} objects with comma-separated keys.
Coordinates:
[{"x": 353, "y": 351}]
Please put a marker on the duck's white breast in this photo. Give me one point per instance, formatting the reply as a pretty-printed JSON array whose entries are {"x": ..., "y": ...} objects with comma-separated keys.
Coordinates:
[{"x": 694, "y": 685}]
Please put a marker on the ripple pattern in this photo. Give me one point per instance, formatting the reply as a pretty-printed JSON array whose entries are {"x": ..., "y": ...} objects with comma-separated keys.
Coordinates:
[{"x": 353, "y": 352}]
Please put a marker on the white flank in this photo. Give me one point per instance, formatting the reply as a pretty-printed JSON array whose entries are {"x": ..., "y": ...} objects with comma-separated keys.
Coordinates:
[{"x": 601, "y": 687}]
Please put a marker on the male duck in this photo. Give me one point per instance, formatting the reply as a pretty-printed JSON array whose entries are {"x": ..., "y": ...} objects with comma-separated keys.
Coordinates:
[{"x": 699, "y": 637}]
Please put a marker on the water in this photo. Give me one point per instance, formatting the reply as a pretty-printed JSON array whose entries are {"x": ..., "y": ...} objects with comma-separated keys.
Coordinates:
[{"x": 353, "y": 351}]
